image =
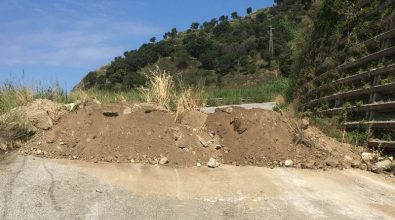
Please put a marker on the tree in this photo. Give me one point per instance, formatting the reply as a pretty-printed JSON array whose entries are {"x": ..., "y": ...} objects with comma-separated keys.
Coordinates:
[
  {"x": 195, "y": 25},
  {"x": 152, "y": 40},
  {"x": 249, "y": 10},
  {"x": 234, "y": 15},
  {"x": 173, "y": 32},
  {"x": 181, "y": 58},
  {"x": 223, "y": 18},
  {"x": 209, "y": 58},
  {"x": 196, "y": 44},
  {"x": 222, "y": 28},
  {"x": 90, "y": 79},
  {"x": 133, "y": 80}
]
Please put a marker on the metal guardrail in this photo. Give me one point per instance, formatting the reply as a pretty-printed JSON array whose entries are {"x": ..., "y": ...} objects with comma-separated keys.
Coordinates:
[
  {"x": 354, "y": 93},
  {"x": 374, "y": 56},
  {"x": 372, "y": 124},
  {"x": 242, "y": 100},
  {"x": 353, "y": 78},
  {"x": 381, "y": 98},
  {"x": 366, "y": 107},
  {"x": 385, "y": 145}
]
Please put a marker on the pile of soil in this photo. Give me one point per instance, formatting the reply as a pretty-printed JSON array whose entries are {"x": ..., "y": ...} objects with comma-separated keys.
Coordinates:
[
  {"x": 144, "y": 133},
  {"x": 122, "y": 133},
  {"x": 266, "y": 138}
]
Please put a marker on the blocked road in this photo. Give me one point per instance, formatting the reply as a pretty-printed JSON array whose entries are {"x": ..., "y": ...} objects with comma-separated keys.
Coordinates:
[{"x": 36, "y": 188}]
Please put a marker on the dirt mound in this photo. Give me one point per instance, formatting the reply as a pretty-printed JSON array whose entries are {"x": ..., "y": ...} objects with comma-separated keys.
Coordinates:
[
  {"x": 24, "y": 121},
  {"x": 122, "y": 133},
  {"x": 39, "y": 114},
  {"x": 266, "y": 138},
  {"x": 147, "y": 134}
]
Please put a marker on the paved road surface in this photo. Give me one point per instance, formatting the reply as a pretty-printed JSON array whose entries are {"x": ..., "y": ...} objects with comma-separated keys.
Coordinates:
[
  {"x": 267, "y": 106},
  {"x": 34, "y": 188}
]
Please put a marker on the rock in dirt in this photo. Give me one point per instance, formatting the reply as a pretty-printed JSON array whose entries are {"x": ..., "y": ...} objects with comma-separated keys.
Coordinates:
[
  {"x": 194, "y": 119},
  {"x": 363, "y": 166},
  {"x": 305, "y": 123},
  {"x": 203, "y": 142},
  {"x": 39, "y": 114},
  {"x": 39, "y": 152},
  {"x": 127, "y": 111},
  {"x": 180, "y": 143},
  {"x": 73, "y": 106},
  {"x": 368, "y": 157},
  {"x": 163, "y": 161},
  {"x": 228, "y": 110},
  {"x": 3, "y": 146},
  {"x": 309, "y": 164},
  {"x": 347, "y": 158},
  {"x": 218, "y": 146},
  {"x": 288, "y": 163},
  {"x": 212, "y": 163},
  {"x": 238, "y": 126},
  {"x": 40, "y": 119},
  {"x": 110, "y": 114},
  {"x": 332, "y": 162},
  {"x": 355, "y": 164},
  {"x": 381, "y": 166}
]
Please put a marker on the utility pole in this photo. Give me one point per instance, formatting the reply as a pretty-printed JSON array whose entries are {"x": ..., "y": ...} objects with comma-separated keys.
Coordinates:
[{"x": 271, "y": 48}]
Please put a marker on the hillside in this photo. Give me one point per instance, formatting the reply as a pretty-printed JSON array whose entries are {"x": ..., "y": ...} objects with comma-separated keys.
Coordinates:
[{"x": 229, "y": 50}]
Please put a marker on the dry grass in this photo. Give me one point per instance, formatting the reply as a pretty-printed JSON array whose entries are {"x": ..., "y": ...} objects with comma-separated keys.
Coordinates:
[
  {"x": 190, "y": 99},
  {"x": 80, "y": 95},
  {"x": 11, "y": 97},
  {"x": 159, "y": 89}
]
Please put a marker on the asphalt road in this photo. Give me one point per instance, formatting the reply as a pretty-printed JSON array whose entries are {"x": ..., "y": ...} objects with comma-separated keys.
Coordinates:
[
  {"x": 266, "y": 105},
  {"x": 35, "y": 188}
]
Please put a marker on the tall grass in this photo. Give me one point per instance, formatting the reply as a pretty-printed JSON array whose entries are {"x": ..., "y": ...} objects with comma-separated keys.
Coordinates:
[
  {"x": 264, "y": 92},
  {"x": 190, "y": 99},
  {"x": 105, "y": 96},
  {"x": 12, "y": 96},
  {"x": 160, "y": 88}
]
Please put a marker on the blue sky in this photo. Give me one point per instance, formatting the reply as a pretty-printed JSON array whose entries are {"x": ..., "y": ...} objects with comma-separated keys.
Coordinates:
[{"x": 43, "y": 41}]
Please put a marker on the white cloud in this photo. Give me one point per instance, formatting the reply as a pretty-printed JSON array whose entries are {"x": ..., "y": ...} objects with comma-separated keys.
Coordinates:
[{"x": 70, "y": 39}]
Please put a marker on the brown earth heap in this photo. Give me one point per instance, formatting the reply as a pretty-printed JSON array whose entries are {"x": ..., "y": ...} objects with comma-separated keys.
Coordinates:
[{"x": 146, "y": 134}]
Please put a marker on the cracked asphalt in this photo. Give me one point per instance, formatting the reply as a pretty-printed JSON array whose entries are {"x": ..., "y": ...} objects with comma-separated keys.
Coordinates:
[{"x": 38, "y": 188}]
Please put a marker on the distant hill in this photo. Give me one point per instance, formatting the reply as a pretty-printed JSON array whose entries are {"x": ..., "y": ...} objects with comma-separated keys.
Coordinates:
[{"x": 228, "y": 50}]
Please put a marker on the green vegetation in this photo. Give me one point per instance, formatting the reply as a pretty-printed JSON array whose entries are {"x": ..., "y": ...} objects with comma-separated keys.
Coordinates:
[
  {"x": 214, "y": 51},
  {"x": 264, "y": 92},
  {"x": 12, "y": 96}
]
